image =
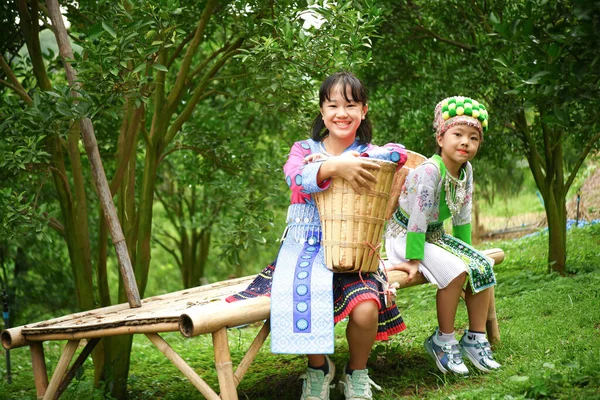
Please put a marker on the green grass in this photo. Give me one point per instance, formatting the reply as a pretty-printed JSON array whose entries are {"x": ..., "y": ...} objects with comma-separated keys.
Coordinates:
[{"x": 550, "y": 328}]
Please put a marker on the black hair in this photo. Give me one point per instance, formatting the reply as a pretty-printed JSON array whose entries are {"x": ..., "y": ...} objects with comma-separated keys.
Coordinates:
[{"x": 364, "y": 133}]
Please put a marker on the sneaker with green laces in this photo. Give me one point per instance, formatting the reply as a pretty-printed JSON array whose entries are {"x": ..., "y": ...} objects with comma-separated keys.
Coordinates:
[
  {"x": 479, "y": 352},
  {"x": 357, "y": 386},
  {"x": 316, "y": 384}
]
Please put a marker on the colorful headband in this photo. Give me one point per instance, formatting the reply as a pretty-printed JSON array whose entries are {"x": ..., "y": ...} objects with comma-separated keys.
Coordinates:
[{"x": 459, "y": 110}]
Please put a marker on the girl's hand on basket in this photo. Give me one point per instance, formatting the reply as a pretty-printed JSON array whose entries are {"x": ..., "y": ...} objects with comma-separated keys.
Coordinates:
[
  {"x": 411, "y": 267},
  {"x": 314, "y": 157},
  {"x": 355, "y": 170}
]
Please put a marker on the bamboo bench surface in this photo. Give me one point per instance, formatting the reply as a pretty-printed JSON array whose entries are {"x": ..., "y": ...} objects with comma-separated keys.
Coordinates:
[
  {"x": 193, "y": 312},
  {"x": 158, "y": 314}
]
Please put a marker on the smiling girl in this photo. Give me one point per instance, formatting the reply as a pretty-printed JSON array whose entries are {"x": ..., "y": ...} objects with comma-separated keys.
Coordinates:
[
  {"x": 307, "y": 298},
  {"x": 436, "y": 190}
]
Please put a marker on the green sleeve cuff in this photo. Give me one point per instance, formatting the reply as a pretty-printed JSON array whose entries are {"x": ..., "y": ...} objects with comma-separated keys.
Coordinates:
[
  {"x": 462, "y": 232},
  {"x": 415, "y": 246}
]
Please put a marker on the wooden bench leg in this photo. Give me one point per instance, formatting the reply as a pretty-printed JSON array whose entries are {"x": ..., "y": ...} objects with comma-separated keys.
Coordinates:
[
  {"x": 180, "y": 363},
  {"x": 89, "y": 347},
  {"x": 491, "y": 326},
  {"x": 40, "y": 375},
  {"x": 259, "y": 340},
  {"x": 224, "y": 365},
  {"x": 61, "y": 368}
]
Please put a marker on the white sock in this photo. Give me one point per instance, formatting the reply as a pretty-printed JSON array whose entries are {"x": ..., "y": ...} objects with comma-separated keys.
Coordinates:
[
  {"x": 475, "y": 336},
  {"x": 442, "y": 337}
]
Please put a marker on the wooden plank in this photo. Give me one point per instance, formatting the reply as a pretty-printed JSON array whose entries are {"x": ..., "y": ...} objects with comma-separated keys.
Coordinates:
[
  {"x": 38, "y": 363},
  {"x": 253, "y": 350},
  {"x": 180, "y": 363},
  {"x": 223, "y": 365},
  {"x": 61, "y": 367},
  {"x": 87, "y": 350}
]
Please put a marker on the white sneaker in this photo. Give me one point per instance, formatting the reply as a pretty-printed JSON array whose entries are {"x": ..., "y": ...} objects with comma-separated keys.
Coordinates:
[
  {"x": 316, "y": 384},
  {"x": 358, "y": 385},
  {"x": 479, "y": 352}
]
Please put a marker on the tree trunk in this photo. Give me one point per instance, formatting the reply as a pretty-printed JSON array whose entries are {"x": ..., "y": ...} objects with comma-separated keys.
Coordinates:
[
  {"x": 557, "y": 238},
  {"x": 116, "y": 370}
]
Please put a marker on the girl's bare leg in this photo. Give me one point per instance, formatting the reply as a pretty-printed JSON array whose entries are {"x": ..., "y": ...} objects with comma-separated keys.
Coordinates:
[
  {"x": 361, "y": 333},
  {"x": 477, "y": 308},
  {"x": 447, "y": 303},
  {"x": 316, "y": 360}
]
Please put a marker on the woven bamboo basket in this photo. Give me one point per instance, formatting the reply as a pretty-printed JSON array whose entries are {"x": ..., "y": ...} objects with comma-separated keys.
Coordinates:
[
  {"x": 414, "y": 159},
  {"x": 352, "y": 222}
]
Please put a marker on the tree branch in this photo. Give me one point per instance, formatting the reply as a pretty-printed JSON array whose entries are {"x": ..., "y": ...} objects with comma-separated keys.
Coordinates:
[
  {"x": 187, "y": 112},
  {"x": 179, "y": 48},
  {"x": 171, "y": 252},
  {"x": 533, "y": 156},
  {"x": 170, "y": 215},
  {"x": 14, "y": 82},
  {"x": 584, "y": 153},
  {"x": 191, "y": 51}
]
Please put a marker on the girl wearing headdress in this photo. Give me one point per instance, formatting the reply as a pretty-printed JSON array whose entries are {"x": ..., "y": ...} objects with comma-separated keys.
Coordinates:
[{"x": 439, "y": 189}]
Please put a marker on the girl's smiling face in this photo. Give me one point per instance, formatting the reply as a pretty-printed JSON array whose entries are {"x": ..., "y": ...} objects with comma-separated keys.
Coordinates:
[
  {"x": 342, "y": 115},
  {"x": 459, "y": 144}
]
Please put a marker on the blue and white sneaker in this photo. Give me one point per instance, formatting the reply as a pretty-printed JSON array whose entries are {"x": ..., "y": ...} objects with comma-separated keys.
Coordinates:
[
  {"x": 479, "y": 352},
  {"x": 446, "y": 355}
]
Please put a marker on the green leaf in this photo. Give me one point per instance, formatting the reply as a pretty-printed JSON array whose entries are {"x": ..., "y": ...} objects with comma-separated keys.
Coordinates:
[
  {"x": 139, "y": 68},
  {"x": 109, "y": 29},
  {"x": 494, "y": 18},
  {"x": 160, "y": 67},
  {"x": 534, "y": 80}
]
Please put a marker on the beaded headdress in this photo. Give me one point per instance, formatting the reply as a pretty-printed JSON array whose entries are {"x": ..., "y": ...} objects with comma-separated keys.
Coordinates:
[{"x": 459, "y": 110}]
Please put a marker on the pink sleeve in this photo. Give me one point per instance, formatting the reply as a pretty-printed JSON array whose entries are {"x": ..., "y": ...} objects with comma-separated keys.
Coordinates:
[{"x": 302, "y": 178}]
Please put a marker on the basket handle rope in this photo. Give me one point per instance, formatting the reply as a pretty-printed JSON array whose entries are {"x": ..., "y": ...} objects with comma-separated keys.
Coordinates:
[{"x": 389, "y": 291}]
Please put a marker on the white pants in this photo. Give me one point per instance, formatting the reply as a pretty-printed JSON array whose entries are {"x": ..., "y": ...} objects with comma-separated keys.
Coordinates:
[{"x": 439, "y": 266}]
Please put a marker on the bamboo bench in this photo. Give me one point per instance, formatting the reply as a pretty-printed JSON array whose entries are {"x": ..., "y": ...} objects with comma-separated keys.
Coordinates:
[{"x": 193, "y": 312}]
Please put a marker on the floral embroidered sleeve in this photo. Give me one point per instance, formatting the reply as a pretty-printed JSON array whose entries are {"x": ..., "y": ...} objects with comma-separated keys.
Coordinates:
[
  {"x": 421, "y": 187},
  {"x": 390, "y": 152},
  {"x": 302, "y": 178},
  {"x": 461, "y": 223}
]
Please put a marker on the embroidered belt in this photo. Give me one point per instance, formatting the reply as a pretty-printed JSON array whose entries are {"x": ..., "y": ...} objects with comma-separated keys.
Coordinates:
[{"x": 399, "y": 222}]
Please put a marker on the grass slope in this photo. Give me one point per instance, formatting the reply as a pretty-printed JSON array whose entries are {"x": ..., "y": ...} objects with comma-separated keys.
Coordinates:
[{"x": 550, "y": 327}]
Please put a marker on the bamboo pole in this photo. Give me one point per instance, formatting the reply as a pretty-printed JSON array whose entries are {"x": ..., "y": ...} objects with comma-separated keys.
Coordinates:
[
  {"x": 91, "y": 147},
  {"x": 214, "y": 316},
  {"x": 101, "y": 332},
  {"x": 61, "y": 367},
  {"x": 223, "y": 365},
  {"x": 255, "y": 347},
  {"x": 38, "y": 363},
  {"x": 13, "y": 338},
  {"x": 87, "y": 350},
  {"x": 180, "y": 363}
]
